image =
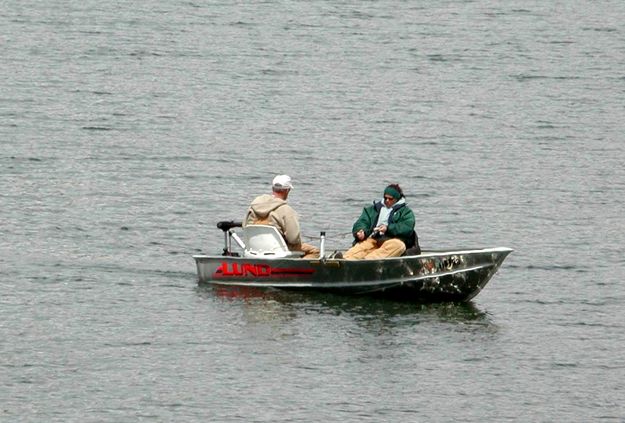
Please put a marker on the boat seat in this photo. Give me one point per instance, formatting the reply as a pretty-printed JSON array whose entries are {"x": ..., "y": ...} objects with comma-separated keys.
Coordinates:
[{"x": 265, "y": 241}]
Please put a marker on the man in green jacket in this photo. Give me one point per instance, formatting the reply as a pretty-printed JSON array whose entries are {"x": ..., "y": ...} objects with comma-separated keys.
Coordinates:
[{"x": 384, "y": 229}]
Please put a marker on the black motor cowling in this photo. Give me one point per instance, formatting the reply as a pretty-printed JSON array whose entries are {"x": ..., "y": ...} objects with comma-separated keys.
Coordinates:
[{"x": 226, "y": 225}]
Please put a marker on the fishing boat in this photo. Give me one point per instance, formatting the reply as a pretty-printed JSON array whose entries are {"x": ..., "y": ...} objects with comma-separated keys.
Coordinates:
[{"x": 265, "y": 262}]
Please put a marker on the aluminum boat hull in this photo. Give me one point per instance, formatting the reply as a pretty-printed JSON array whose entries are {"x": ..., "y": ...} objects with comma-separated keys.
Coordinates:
[{"x": 433, "y": 276}]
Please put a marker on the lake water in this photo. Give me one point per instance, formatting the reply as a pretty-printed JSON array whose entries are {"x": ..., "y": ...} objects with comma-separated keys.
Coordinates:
[{"x": 128, "y": 129}]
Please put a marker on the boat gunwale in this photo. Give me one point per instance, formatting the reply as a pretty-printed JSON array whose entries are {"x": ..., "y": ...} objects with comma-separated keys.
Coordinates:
[{"x": 429, "y": 253}]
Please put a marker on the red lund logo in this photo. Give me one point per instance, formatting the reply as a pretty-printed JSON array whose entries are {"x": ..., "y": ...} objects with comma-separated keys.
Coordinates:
[{"x": 228, "y": 270}]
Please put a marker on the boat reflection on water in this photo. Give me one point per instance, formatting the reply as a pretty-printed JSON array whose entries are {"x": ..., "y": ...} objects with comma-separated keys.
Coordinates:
[
  {"x": 241, "y": 292},
  {"x": 289, "y": 304}
]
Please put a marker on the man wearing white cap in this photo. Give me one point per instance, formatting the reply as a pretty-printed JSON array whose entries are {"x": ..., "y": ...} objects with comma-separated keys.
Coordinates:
[{"x": 272, "y": 209}]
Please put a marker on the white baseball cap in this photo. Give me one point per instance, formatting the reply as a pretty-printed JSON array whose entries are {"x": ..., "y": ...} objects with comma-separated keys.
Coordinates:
[{"x": 282, "y": 182}]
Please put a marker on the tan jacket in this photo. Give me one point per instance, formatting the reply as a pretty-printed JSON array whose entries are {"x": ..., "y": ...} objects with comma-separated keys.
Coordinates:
[{"x": 269, "y": 210}]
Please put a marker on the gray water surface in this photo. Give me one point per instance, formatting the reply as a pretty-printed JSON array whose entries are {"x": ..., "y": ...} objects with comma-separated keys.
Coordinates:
[{"x": 128, "y": 130}]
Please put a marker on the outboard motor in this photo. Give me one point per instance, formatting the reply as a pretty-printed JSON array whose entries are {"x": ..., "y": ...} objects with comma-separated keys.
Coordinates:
[{"x": 226, "y": 226}]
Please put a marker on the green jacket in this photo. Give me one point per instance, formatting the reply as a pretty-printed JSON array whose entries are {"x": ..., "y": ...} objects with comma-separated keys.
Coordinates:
[{"x": 400, "y": 223}]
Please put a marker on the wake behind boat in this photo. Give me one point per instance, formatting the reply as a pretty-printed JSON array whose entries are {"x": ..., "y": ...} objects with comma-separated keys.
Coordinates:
[{"x": 265, "y": 262}]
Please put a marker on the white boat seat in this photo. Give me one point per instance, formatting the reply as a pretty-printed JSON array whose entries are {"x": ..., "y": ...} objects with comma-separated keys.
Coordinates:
[{"x": 267, "y": 242}]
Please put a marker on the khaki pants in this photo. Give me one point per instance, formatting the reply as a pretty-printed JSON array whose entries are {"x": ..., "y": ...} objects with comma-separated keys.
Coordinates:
[
  {"x": 310, "y": 251},
  {"x": 368, "y": 249}
]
